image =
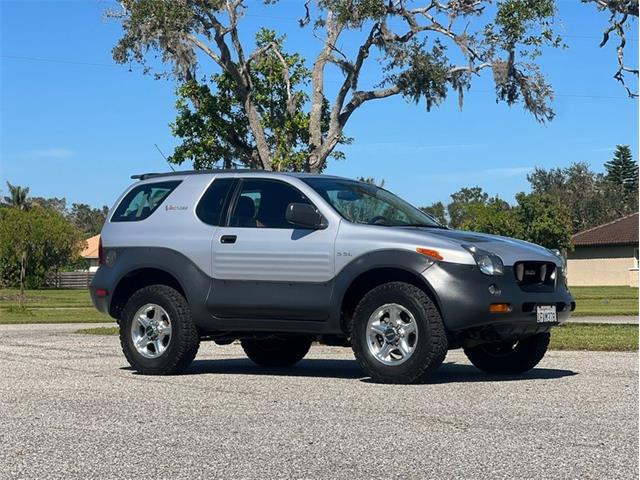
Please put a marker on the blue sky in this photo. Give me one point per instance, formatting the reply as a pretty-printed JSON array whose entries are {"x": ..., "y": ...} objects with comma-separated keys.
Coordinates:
[{"x": 76, "y": 125}]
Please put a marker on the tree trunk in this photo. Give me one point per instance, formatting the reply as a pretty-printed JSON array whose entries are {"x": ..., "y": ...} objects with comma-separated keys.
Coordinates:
[{"x": 23, "y": 261}]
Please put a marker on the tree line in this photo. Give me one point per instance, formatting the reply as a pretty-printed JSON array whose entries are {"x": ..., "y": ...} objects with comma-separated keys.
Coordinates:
[
  {"x": 39, "y": 236},
  {"x": 562, "y": 202}
]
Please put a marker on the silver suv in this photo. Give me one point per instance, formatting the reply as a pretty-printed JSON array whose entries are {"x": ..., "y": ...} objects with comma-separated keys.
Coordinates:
[{"x": 279, "y": 260}]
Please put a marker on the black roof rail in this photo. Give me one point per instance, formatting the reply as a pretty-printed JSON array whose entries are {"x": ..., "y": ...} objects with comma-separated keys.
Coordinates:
[{"x": 145, "y": 176}]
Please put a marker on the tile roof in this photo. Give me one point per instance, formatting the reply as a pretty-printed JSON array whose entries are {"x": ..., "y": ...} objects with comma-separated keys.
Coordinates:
[
  {"x": 623, "y": 231},
  {"x": 91, "y": 249}
]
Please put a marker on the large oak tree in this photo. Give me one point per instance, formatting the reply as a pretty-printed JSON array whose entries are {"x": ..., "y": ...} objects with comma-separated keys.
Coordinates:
[{"x": 264, "y": 107}]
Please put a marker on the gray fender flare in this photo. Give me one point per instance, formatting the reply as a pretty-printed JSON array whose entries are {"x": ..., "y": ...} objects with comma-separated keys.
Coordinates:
[
  {"x": 411, "y": 262},
  {"x": 194, "y": 282}
]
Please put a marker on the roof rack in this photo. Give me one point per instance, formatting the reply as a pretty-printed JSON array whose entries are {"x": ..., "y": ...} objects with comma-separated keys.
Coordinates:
[{"x": 145, "y": 176}]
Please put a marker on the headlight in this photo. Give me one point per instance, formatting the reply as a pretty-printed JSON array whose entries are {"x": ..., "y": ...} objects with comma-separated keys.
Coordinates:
[
  {"x": 563, "y": 261},
  {"x": 488, "y": 263}
]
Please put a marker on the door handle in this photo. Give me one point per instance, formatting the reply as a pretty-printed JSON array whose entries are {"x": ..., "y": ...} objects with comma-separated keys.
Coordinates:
[{"x": 228, "y": 239}]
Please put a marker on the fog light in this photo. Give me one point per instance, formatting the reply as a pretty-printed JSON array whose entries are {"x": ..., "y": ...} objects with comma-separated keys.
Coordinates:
[
  {"x": 499, "y": 308},
  {"x": 494, "y": 289}
]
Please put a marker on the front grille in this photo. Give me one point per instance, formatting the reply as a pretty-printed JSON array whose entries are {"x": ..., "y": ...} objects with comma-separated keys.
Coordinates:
[{"x": 532, "y": 274}]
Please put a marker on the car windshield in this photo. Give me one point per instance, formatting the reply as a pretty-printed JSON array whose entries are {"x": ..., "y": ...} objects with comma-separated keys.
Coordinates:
[{"x": 368, "y": 204}]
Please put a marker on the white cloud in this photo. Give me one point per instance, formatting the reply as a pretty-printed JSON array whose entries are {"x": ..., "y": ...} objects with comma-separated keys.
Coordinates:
[
  {"x": 52, "y": 152},
  {"x": 479, "y": 176}
]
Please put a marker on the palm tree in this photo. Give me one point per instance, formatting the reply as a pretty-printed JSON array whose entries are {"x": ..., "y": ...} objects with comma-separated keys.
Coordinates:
[{"x": 17, "y": 196}]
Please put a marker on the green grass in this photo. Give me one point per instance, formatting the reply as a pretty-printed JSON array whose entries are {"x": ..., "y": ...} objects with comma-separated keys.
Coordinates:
[
  {"x": 595, "y": 337},
  {"x": 46, "y": 298},
  {"x": 49, "y": 306},
  {"x": 605, "y": 300},
  {"x": 99, "y": 331}
]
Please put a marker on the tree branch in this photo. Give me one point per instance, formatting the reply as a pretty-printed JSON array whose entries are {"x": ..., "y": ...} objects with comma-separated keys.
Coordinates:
[
  {"x": 620, "y": 11},
  {"x": 317, "y": 91},
  {"x": 240, "y": 74}
]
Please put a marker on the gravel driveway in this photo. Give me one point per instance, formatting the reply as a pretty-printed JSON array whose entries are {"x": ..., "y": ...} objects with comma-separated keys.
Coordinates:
[{"x": 70, "y": 408}]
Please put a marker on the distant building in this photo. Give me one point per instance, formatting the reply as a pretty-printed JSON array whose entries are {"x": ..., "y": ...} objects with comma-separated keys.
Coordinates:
[
  {"x": 606, "y": 254},
  {"x": 90, "y": 253}
]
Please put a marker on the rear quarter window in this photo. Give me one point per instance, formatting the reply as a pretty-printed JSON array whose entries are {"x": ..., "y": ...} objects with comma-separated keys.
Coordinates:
[
  {"x": 143, "y": 200},
  {"x": 211, "y": 207}
]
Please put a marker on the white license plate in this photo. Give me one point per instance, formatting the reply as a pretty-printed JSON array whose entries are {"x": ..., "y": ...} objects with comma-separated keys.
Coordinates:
[{"x": 546, "y": 314}]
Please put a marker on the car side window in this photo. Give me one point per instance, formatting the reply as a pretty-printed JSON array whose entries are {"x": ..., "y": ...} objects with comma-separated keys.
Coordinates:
[
  {"x": 263, "y": 204},
  {"x": 210, "y": 208},
  {"x": 142, "y": 201}
]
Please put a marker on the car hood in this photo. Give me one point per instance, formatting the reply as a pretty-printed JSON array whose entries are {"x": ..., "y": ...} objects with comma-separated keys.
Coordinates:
[{"x": 508, "y": 249}]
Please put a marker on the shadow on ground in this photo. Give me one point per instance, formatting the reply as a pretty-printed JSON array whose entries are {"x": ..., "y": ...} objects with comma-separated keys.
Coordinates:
[{"x": 348, "y": 369}]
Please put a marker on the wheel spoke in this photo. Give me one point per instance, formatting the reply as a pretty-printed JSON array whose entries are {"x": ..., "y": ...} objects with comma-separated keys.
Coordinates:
[
  {"x": 157, "y": 344},
  {"x": 164, "y": 329},
  {"x": 394, "y": 314},
  {"x": 378, "y": 328},
  {"x": 143, "y": 319},
  {"x": 386, "y": 349},
  {"x": 143, "y": 342},
  {"x": 404, "y": 347},
  {"x": 408, "y": 328}
]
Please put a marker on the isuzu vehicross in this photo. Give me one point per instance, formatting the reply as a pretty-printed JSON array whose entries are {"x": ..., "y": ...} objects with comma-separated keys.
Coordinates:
[{"x": 280, "y": 260}]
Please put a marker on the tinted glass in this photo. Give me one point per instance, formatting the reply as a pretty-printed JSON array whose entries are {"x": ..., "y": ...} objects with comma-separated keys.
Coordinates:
[
  {"x": 263, "y": 204},
  {"x": 363, "y": 203},
  {"x": 142, "y": 201},
  {"x": 210, "y": 209}
]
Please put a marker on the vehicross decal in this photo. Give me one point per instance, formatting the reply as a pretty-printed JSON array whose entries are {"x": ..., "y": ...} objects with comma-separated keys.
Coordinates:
[{"x": 175, "y": 208}]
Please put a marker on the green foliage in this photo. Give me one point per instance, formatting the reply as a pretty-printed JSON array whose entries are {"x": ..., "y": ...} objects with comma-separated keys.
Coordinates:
[
  {"x": 523, "y": 27},
  {"x": 47, "y": 238},
  {"x": 213, "y": 124},
  {"x": 589, "y": 197},
  {"x": 493, "y": 216},
  {"x": 539, "y": 219},
  {"x": 544, "y": 221},
  {"x": 54, "y": 203},
  {"x": 622, "y": 170},
  {"x": 423, "y": 74},
  {"x": 18, "y": 196},
  {"x": 86, "y": 219},
  {"x": 459, "y": 209},
  {"x": 438, "y": 211}
]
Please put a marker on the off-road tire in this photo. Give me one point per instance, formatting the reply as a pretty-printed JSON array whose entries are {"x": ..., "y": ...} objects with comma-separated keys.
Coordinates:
[
  {"x": 184, "y": 342},
  {"x": 431, "y": 347},
  {"x": 515, "y": 358},
  {"x": 276, "y": 351}
]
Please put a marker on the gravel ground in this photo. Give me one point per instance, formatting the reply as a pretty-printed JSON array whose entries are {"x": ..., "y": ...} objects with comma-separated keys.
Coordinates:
[{"x": 70, "y": 408}]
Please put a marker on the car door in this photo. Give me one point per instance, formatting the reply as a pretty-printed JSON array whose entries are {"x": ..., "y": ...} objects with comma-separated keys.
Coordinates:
[{"x": 264, "y": 267}]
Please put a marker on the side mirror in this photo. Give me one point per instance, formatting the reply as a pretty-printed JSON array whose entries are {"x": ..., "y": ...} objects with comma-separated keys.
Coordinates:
[{"x": 303, "y": 215}]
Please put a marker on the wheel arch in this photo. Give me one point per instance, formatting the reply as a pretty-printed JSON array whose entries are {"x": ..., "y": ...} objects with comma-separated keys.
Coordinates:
[
  {"x": 380, "y": 267},
  {"x": 138, "y": 278}
]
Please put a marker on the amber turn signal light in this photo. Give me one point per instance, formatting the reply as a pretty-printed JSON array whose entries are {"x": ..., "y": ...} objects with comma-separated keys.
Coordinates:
[
  {"x": 499, "y": 308},
  {"x": 430, "y": 253}
]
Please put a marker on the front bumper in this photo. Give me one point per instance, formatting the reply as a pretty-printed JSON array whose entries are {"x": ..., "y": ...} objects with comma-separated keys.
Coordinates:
[{"x": 463, "y": 295}]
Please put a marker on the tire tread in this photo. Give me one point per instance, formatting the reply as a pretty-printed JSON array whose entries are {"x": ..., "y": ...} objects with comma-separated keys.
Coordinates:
[
  {"x": 188, "y": 341},
  {"x": 436, "y": 334}
]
